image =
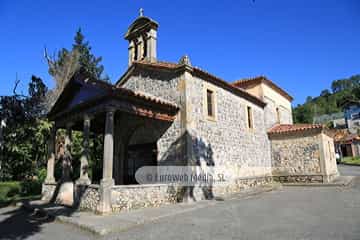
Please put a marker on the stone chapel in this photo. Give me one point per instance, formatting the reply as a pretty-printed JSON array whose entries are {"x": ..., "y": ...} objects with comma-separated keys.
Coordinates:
[{"x": 162, "y": 113}]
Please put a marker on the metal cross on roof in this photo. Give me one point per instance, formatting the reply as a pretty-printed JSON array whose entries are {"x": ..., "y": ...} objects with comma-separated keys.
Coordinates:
[{"x": 141, "y": 12}]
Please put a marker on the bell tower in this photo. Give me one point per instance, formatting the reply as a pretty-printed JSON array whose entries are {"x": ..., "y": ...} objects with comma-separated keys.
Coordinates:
[{"x": 142, "y": 39}]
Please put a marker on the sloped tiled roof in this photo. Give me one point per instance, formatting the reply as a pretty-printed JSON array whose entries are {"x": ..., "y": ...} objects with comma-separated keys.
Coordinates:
[
  {"x": 214, "y": 79},
  {"x": 291, "y": 128},
  {"x": 124, "y": 91},
  {"x": 343, "y": 135},
  {"x": 246, "y": 82},
  {"x": 110, "y": 91},
  {"x": 160, "y": 64}
]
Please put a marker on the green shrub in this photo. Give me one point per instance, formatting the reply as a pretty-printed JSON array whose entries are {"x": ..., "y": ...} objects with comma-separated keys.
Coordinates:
[
  {"x": 41, "y": 174},
  {"x": 9, "y": 190},
  {"x": 31, "y": 187},
  {"x": 351, "y": 160}
]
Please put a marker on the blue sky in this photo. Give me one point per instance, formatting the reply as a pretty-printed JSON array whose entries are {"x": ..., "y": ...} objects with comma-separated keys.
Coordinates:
[{"x": 300, "y": 45}]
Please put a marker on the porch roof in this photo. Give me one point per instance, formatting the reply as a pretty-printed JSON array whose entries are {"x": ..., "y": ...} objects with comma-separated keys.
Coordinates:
[
  {"x": 84, "y": 94},
  {"x": 294, "y": 128}
]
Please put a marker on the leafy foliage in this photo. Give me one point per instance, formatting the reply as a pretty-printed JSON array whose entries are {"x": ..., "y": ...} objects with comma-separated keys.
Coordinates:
[
  {"x": 25, "y": 135},
  {"x": 14, "y": 191},
  {"x": 23, "y": 142},
  {"x": 67, "y": 62},
  {"x": 88, "y": 62},
  {"x": 328, "y": 102}
]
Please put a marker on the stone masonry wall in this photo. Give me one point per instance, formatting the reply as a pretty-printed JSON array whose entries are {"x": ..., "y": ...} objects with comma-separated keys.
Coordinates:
[
  {"x": 48, "y": 190},
  {"x": 271, "y": 115},
  {"x": 294, "y": 156},
  {"x": 167, "y": 86},
  {"x": 331, "y": 170},
  {"x": 227, "y": 142},
  {"x": 239, "y": 185},
  {"x": 128, "y": 197},
  {"x": 90, "y": 198}
]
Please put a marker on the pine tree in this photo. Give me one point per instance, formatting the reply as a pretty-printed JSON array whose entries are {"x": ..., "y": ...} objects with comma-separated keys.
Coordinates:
[
  {"x": 66, "y": 63},
  {"x": 87, "y": 60}
]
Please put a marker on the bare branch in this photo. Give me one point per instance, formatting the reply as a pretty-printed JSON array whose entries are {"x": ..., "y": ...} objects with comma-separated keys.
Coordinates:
[
  {"x": 17, "y": 81},
  {"x": 46, "y": 56}
]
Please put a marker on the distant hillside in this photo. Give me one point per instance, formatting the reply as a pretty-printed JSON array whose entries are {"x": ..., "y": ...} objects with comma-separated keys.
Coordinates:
[{"x": 329, "y": 101}]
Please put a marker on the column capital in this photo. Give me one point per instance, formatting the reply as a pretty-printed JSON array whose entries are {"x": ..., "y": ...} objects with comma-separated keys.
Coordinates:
[
  {"x": 110, "y": 109},
  {"x": 88, "y": 117}
]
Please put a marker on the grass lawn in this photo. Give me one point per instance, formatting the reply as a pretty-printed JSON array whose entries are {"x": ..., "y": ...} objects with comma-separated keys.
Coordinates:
[
  {"x": 351, "y": 160},
  {"x": 12, "y": 192}
]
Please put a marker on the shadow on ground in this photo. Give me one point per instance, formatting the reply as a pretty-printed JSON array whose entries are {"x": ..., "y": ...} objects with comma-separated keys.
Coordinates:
[
  {"x": 22, "y": 222},
  {"x": 27, "y": 220}
]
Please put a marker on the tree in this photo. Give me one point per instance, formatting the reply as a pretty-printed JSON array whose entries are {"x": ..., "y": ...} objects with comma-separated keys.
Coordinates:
[
  {"x": 24, "y": 149},
  {"x": 325, "y": 93},
  {"x": 343, "y": 90},
  {"x": 67, "y": 62},
  {"x": 87, "y": 60}
]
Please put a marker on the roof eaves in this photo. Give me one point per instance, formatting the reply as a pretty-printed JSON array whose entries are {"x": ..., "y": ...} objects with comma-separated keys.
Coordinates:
[
  {"x": 262, "y": 79},
  {"x": 230, "y": 87}
]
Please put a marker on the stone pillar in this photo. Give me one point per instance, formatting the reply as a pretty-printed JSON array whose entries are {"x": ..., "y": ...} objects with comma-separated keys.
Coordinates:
[
  {"x": 51, "y": 157},
  {"x": 140, "y": 48},
  {"x": 107, "y": 180},
  {"x": 66, "y": 161},
  {"x": 151, "y": 45},
  {"x": 131, "y": 53},
  {"x": 84, "y": 159}
]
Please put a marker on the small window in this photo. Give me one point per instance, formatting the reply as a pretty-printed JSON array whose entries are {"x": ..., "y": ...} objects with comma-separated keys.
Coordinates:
[
  {"x": 210, "y": 102},
  {"x": 249, "y": 117},
  {"x": 277, "y": 115}
]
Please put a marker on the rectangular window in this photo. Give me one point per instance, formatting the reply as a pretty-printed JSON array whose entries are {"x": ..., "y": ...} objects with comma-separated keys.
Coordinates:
[
  {"x": 210, "y": 102},
  {"x": 249, "y": 117},
  {"x": 277, "y": 115}
]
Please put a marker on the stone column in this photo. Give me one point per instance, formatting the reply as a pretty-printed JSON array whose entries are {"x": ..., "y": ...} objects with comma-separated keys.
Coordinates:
[
  {"x": 107, "y": 180},
  {"x": 151, "y": 45},
  {"x": 66, "y": 161},
  {"x": 51, "y": 157},
  {"x": 84, "y": 159},
  {"x": 140, "y": 48},
  {"x": 131, "y": 53}
]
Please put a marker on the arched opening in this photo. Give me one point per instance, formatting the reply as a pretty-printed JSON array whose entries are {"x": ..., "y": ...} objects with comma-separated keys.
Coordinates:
[
  {"x": 141, "y": 151},
  {"x": 135, "y": 51}
]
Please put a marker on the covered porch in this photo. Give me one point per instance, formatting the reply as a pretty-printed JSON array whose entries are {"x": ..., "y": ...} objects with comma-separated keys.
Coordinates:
[{"x": 131, "y": 124}]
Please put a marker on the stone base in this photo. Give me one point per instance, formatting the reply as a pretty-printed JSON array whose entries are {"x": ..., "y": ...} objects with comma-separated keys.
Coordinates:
[
  {"x": 66, "y": 194},
  {"x": 83, "y": 181},
  {"x": 239, "y": 185},
  {"x": 105, "y": 190},
  {"x": 88, "y": 197},
  {"x": 48, "y": 191},
  {"x": 330, "y": 178},
  {"x": 126, "y": 197},
  {"x": 299, "y": 179}
]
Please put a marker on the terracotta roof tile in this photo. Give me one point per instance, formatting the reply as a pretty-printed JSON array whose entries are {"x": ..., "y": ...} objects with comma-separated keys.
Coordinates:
[
  {"x": 244, "y": 83},
  {"x": 219, "y": 81},
  {"x": 124, "y": 91},
  {"x": 289, "y": 128},
  {"x": 343, "y": 135},
  {"x": 159, "y": 64}
]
